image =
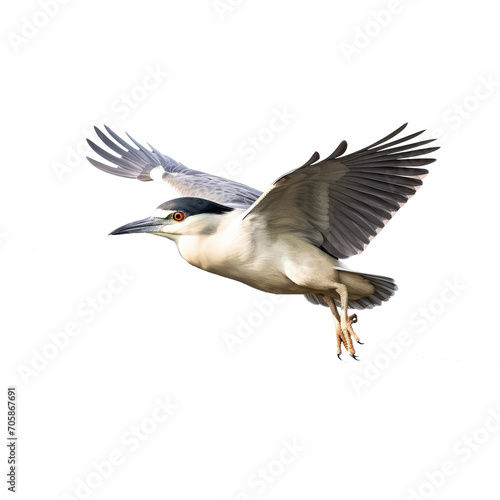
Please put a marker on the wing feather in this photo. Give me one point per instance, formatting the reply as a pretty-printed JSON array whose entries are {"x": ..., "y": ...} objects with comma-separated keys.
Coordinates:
[
  {"x": 363, "y": 191},
  {"x": 139, "y": 162}
]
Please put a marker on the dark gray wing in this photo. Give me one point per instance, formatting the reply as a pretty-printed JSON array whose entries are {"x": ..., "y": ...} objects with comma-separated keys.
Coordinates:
[
  {"x": 341, "y": 203},
  {"x": 140, "y": 163}
]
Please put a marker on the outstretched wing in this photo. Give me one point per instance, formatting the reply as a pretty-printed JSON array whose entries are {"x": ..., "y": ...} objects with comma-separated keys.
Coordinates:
[
  {"x": 148, "y": 164},
  {"x": 341, "y": 203}
]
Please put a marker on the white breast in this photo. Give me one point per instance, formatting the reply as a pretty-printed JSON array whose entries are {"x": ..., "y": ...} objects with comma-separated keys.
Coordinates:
[{"x": 240, "y": 251}]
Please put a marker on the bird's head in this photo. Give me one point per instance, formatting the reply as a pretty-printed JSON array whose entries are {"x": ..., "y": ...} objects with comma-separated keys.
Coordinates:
[{"x": 182, "y": 216}]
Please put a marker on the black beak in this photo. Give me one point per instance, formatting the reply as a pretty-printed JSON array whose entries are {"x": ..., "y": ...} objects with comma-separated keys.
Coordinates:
[{"x": 149, "y": 225}]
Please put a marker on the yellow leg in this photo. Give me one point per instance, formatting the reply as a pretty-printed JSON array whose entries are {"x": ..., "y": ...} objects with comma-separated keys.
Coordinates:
[{"x": 343, "y": 327}]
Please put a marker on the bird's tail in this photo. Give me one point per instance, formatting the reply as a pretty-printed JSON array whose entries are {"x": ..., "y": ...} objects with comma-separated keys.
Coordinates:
[{"x": 384, "y": 287}]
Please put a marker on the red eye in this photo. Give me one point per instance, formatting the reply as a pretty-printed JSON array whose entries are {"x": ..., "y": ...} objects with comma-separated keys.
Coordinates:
[{"x": 178, "y": 216}]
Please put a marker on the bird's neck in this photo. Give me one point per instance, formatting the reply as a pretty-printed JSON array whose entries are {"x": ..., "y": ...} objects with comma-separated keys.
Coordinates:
[{"x": 213, "y": 245}]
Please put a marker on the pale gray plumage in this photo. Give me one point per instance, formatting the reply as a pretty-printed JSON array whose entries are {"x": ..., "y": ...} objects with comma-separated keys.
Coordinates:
[
  {"x": 138, "y": 163},
  {"x": 336, "y": 205}
]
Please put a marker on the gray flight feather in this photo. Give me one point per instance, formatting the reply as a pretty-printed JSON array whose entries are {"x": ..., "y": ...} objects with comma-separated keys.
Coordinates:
[
  {"x": 341, "y": 203},
  {"x": 137, "y": 163}
]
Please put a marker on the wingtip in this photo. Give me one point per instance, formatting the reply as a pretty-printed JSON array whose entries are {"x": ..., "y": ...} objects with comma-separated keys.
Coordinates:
[
  {"x": 339, "y": 151},
  {"x": 96, "y": 148},
  {"x": 97, "y": 163}
]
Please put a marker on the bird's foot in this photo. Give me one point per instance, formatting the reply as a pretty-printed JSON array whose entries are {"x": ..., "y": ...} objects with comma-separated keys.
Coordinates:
[{"x": 345, "y": 334}]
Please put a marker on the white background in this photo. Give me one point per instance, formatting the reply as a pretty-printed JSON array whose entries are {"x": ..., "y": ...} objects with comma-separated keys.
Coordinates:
[{"x": 378, "y": 428}]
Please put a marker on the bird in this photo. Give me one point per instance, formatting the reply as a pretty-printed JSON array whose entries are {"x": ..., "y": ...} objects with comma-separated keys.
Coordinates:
[{"x": 293, "y": 237}]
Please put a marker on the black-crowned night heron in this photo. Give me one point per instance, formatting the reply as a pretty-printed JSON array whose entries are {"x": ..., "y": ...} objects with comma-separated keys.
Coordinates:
[{"x": 289, "y": 239}]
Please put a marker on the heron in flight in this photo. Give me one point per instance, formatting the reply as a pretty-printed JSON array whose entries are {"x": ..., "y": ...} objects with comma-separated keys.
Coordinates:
[{"x": 289, "y": 239}]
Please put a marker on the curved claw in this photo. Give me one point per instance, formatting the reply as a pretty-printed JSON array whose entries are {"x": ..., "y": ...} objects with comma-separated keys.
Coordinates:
[
  {"x": 338, "y": 356},
  {"x": 360, "y": 343},
  {"x": 353, "y": 318},
  {"x": 354, "y": 356}
]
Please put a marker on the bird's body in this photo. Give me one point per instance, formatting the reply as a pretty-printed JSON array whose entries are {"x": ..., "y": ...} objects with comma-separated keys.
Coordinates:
[
  {"x": 249, "y": 253},
  {"x": 245, "y": 252},
  {"x": 290, "y": 239}
]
